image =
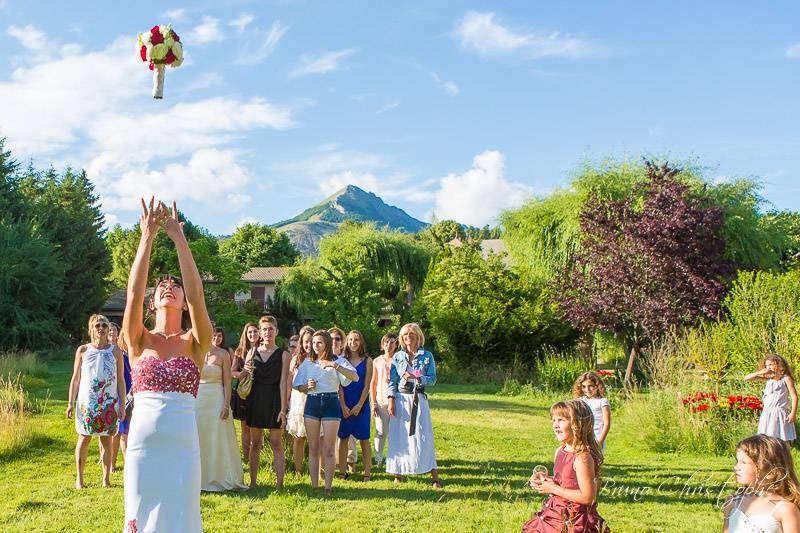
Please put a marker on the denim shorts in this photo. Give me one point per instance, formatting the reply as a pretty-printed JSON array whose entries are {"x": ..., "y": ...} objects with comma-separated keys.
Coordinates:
[{"x": 324, "y": 406}]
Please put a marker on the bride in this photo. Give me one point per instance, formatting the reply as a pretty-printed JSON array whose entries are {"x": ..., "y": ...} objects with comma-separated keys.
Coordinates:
[{"x": 162, "y": 466}]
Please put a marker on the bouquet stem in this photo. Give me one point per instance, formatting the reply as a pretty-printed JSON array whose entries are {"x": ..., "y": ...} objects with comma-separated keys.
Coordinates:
[{"x": 158, "y": 81}]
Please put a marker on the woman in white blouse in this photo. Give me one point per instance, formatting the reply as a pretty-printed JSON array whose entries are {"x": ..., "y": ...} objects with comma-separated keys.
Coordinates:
[{"x": 320, "y": 377}]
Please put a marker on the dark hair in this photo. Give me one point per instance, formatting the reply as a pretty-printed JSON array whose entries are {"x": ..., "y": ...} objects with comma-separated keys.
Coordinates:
[
  {"x": 221, "y": 331},
  {"x": 328, "y": 351},
  {"x": 186, "y": 320}
]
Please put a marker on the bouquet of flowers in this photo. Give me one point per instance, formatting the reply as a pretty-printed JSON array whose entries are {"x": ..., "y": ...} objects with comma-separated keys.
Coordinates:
[{"x": 160, "y": 47}]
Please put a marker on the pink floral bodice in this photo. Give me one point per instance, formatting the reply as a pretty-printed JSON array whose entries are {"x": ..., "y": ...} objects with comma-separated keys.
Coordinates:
[{"x": 178, "y": 374}]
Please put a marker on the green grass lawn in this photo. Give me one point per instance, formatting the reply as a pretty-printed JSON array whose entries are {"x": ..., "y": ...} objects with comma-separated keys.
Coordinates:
[{"x": 486, "y": 446}]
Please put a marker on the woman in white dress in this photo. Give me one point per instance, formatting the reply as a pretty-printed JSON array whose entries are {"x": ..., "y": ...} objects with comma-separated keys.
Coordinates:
[
  {"x": 162, "y": 466},
  {"x": 94, "y": 393},
  {"x": 411, "y": 448},
  {"x": 220, "y": 463},
  {"x": 295, "y": 424}
]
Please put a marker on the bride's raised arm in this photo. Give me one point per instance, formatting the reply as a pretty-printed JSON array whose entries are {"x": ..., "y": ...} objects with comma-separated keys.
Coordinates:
[
  {"x": 192, "y": 285},
  {"x": 133, "y": 320}
]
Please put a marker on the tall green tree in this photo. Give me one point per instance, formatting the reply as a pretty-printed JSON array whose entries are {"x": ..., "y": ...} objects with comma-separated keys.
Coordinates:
[
  {"x": 481, "y": 312},
  {"x": 66, "y": 210},
  {"x": 31, "y": 288},
  {"x": 221, "y": 274},
  {"x": 255, "y": 245},
  {"x": 361, "y": 274}
]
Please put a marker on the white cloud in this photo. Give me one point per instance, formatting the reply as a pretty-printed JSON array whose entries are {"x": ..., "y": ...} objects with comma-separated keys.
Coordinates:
[
  {"x": 478, "y": 32},
  {"x": 206, "y": 32},
  {"x": 242, "y": 22},
  {"x": 261, "y": 44},
  {"x": 320, "y": 63},
  {"x": 211, "y": 177},
  {"x": 478, "y": 195},
  {"x": 388, "y": 106},
  {"x": 242, "y": 221},
  {"x": 29, "y": 36},
  {"x": 174, "y": 15},
  {"x": 449, "y": 86},
  {"x": 366, "y": 180},
  {"x": 793, "y": 51},
  {"x": 91, "y": 110},
  {"x": 204, "y": 81}
]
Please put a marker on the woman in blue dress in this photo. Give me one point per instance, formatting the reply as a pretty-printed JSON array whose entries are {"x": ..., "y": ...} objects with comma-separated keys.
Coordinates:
[{"x": 355, "y": 405}]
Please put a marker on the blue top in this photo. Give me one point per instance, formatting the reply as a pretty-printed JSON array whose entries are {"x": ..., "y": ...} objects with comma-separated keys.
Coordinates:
[{"x": 402, "y": 362}]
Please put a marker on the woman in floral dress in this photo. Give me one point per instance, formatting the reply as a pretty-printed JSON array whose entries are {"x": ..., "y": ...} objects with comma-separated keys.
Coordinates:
[{"x": 94, "y": 394}]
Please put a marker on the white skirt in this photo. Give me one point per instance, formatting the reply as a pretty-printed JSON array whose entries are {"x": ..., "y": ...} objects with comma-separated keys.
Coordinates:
[
  {"x": 220, "y": 461},
  {"x": 295, "y": 423},
  {"x": 413, "y": 454},
  {"x": 162, "y": 465},
  {"x": 772, "y": 423}
]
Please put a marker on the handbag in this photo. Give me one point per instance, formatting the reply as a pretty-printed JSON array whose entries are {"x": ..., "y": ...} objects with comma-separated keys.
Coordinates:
[
  {"x": 245, "y": 382},
  {"x": 128, "y": 406}
]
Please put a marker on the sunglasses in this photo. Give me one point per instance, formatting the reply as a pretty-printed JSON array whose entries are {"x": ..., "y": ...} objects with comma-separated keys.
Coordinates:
[
  {"x": 336, "y": 339},
  {"x": 101, "y": 326}
]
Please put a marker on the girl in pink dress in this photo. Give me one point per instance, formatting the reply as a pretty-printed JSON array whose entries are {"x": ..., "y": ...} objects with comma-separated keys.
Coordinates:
[
  {"x": 572, "y": 505},
  {"x": 162, "y": 465}
]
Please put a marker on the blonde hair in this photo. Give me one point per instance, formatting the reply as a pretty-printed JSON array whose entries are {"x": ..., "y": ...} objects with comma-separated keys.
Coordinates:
[
  {"x": 774, "y": 466},
  {"x": 362, "y": 350},
  {"x": 244, "y": 343},
  {"x": 416, "y": 330},
  {"x": 268, "y": 319},
  {"x": 581, "y": 422},
  {"x": 94, "y": 319},
  {"x": 783, "y": 365},
  {"x": 577, "y": 388}
]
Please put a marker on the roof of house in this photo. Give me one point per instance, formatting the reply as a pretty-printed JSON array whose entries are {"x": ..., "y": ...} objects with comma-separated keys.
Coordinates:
[
  {"x": 264, "y": 274},
  {"x": 488, "y": 247}
]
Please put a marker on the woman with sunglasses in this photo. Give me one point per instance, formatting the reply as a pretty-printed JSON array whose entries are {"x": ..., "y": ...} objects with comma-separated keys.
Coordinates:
[{"x": 94, "y": 395}]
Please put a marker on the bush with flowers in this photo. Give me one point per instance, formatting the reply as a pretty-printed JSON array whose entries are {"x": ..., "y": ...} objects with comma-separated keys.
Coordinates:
[{"x": 733, "y": 404}]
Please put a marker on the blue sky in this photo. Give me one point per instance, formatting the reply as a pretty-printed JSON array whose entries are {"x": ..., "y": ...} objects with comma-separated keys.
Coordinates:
[{"x": 455, "y": 108}]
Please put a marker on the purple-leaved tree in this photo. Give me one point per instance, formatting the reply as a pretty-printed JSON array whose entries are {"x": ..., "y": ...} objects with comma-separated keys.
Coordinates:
[{"x": 647, "y": 263}]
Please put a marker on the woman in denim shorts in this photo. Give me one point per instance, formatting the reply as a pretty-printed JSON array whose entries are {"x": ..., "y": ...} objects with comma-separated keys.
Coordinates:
[{"x": 320, "y": 377}]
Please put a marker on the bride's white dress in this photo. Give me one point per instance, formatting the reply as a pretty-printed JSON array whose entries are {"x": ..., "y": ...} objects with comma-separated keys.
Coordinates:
[{"x": 162, "y": 463}]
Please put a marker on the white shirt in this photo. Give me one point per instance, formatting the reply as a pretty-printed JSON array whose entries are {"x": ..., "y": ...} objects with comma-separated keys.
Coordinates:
[
  {"x": 328, "y": 379},
  {"x": 596, "y": 405}
]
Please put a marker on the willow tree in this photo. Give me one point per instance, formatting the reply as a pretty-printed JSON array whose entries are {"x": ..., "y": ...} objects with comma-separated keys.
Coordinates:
[
  {"x": 545, "y": 233},
  {"x": 362, "y": 273}
]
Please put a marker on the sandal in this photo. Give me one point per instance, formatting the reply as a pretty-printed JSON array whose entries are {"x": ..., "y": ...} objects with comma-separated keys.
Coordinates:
[{"x": 437, "y": 484}]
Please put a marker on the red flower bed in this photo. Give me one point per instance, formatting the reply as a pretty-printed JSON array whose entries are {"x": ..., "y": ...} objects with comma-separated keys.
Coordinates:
[{"x": 703, "y": 401}]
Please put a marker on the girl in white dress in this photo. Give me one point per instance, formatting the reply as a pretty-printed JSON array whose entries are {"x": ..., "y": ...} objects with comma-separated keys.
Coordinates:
[
  {"x": 94, "y": 393},
  {"x": 591, "y": 389},
  {"x": 780, "y": 398},
  {"x": 162, "y": 466},
  {"x": 769, "y": 494}
]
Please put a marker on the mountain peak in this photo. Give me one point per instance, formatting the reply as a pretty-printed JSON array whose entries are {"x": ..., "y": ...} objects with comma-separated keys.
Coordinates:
[{"x": 349, "y": 203}]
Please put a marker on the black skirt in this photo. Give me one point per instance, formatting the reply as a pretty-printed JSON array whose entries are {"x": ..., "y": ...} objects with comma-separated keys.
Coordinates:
[
  {"x": 264, "y": 401},
  {"x": 238, "y": 406}
]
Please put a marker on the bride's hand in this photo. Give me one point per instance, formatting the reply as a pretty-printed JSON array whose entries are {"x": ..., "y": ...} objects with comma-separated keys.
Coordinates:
[
  {"x": 150, "y": 219},
  {"x": 171, "y": 224}
]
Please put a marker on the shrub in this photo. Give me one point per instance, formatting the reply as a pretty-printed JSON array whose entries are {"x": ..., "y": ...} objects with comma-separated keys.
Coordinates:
[
  {"x": 669, "y": 426},
  {"x": 558, "y": 371},
  {"x": 16, "y": 407}
]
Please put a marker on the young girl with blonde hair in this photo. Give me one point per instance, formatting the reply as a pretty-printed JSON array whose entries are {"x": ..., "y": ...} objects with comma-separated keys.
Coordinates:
[
  {"x": 780, "y": 398},
  {"x": 769, "y": 493},
  {"x": 572, "y": 505}
]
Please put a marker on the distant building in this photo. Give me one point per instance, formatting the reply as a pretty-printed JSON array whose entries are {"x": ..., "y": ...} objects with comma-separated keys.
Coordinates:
[
  {"x": 261, "y": 280},
  {"x": 488, "y": 247}
]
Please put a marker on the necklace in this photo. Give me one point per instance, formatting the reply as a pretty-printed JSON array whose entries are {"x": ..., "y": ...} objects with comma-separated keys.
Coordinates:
[{"x": 168, "y": 336}]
